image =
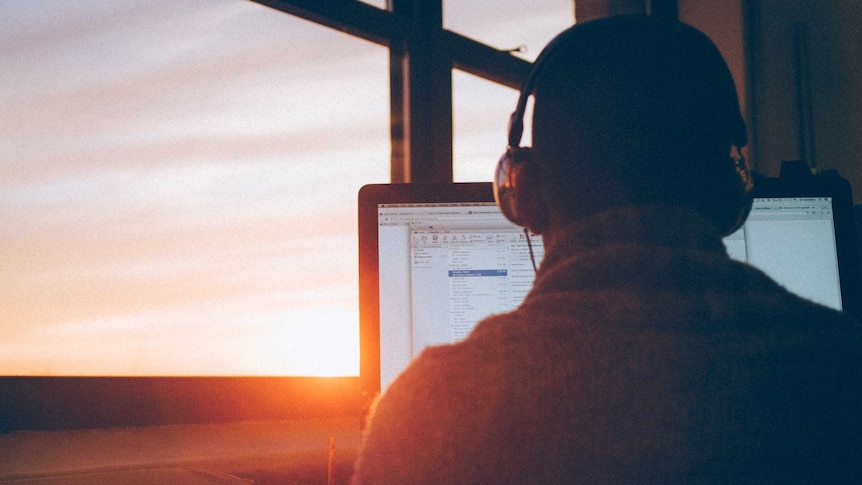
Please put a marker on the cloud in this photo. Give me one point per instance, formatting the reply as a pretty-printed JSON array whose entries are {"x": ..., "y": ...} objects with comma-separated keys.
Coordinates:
[
  {"x": 178, "y": 186},
  {"x": 247, "y": 336},
  {"x": 177, "y": 196}
]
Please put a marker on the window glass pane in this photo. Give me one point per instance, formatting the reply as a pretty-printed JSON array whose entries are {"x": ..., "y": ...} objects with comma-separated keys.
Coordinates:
[
  {"x": 480, "y": 121},
  {"x": 178, "y": 188},
  {"x": 509, "y": 24},
  {"x": 481, "y": 108}
]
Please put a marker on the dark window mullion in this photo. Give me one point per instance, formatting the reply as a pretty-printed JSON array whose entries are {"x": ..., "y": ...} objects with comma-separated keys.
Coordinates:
[
  {"x": 486, "y": 62},
  {"x": 422, "y": 55},
  {"x": 350, "y": 16},
  {"x": 425, "y": 92}
]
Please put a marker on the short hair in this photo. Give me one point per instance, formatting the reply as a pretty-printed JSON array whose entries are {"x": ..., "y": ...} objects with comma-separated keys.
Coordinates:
[{"x": 635, "y": 109}]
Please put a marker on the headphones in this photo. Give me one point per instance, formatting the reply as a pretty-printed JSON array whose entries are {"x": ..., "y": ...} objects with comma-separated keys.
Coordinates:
[
  {"x": 505, "y": 182},
  {"x": 732, "y": 202}
]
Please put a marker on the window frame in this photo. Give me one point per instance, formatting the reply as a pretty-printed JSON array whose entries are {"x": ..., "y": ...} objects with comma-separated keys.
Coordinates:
[{"x": 422, "y": 56}]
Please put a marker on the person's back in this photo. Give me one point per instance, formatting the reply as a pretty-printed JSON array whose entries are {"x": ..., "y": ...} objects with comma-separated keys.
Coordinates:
[{"x": 643, "y": 353}]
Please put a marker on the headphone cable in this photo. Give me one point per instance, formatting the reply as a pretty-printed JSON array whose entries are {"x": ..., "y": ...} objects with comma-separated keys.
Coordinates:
[{"x": 530, "y": 248}]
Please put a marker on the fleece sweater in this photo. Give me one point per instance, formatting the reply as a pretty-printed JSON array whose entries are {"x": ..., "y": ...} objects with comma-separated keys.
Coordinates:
[{"x": 643, "y": 354}]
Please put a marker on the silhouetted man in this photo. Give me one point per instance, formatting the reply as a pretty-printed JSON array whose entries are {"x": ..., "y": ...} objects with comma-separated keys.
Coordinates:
[{"x": 643, "y": 353}]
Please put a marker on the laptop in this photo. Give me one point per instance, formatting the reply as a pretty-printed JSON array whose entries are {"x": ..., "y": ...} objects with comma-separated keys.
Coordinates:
[{"x": 434, "y": 259}]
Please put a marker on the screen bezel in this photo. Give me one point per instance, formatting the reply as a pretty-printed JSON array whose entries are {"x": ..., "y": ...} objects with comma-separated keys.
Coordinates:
[{"x": 370, "y": 197}]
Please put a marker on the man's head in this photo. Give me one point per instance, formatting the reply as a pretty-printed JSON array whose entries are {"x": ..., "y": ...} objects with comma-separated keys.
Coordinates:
[{"x": 630, "y": 110}]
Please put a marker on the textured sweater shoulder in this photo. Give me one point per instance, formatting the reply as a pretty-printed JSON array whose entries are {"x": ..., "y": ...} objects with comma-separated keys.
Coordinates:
[{"x": 643, "y": 353}]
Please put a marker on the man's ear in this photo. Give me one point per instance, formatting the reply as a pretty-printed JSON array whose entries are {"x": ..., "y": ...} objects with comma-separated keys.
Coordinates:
[{"x": 531, "y": 197}]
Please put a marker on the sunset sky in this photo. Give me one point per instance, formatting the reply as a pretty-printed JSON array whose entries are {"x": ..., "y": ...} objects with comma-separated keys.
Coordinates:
[{"x": 178, "y": 180}]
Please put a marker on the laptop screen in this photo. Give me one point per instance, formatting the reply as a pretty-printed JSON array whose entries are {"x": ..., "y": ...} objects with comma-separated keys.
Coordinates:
[
  {"x": 436, "y": 259},
  {"x": 792, "y": 239},
  {"x": 443, "y": 267}
]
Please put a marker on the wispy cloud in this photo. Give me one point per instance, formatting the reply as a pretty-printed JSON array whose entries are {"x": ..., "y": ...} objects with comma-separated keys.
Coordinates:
[
  {"x": 179, "y": 197},
  {"x": 178, "y": 183}
]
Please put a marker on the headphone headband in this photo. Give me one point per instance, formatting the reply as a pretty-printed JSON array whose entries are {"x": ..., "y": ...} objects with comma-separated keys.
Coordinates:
[
  {"x": 516, "y": 119},
  {"x": 737, "y": 130},
  {"x": 682, "y": 54}
]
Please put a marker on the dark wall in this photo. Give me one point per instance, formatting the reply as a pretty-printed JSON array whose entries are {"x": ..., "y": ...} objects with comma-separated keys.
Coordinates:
[{"x": 800, "y": 63}]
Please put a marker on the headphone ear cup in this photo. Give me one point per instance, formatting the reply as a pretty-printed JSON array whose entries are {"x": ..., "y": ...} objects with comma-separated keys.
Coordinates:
[
  {"x": 507, "y": 186},
  {"x": 734, "y": 198},
  {"x": 745, "y": 196}
]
